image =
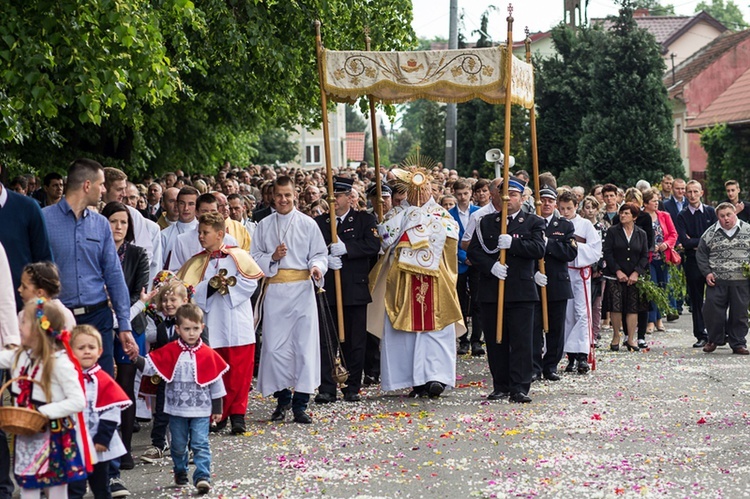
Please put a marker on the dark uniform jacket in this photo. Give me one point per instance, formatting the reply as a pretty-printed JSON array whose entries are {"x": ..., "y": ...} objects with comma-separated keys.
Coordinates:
[
  {"x": 561, "y": 249},
  {"x": 358, "y": 231},
  {"x": 528, "y": 245}
]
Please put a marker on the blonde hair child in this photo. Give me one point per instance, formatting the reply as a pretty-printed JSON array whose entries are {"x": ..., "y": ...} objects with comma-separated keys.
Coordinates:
[{"x": 58, "y": 394}]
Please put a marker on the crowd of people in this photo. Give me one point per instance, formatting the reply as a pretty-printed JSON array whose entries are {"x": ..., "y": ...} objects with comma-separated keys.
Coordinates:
[{"x": 148, "y": 298}]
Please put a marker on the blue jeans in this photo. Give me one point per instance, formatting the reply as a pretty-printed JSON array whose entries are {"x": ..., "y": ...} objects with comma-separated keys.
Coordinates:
[
  {"x": 660, "y": 277},
  {"x": 102, "y": 320},
  {"x": 194, "y": 430}
]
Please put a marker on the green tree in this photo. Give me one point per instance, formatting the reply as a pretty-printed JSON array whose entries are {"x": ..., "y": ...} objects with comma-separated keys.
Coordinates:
[
  {"x": 403, "y": 145},
  {"x": 728, "y": 13},
  {"x": 354, "y": 120},
  {"x": 728, "y": 158},
  {"x": 563, "y": 96},
  {"x": 275, "y": 145},
  {"x": 655, "y": 8},
  {"x": 154, "y": 84},
  {"x": 627, "y": 132}
]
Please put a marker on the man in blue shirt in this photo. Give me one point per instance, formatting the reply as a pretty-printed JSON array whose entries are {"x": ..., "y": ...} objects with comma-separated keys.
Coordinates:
[
  {"x": 85, "y": 254},
  {"x": 467, "y": 285}
]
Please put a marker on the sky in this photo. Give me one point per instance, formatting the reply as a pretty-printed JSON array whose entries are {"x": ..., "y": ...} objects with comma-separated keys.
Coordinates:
[{"x": 431, "y": 17}]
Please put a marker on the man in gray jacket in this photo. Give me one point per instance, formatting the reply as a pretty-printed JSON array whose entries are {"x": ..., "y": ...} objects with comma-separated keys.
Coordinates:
[{"x": 721, "y": 253}]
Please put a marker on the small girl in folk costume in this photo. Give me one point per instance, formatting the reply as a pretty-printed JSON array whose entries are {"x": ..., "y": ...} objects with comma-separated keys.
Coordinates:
[
  {"x": 105, "y": 400},
  {"x": 42, "y": 280},
  {"x": 61, "y": 454}
]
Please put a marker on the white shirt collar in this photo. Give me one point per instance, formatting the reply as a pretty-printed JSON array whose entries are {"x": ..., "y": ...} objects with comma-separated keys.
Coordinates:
[
  {"x": 693, "y": 210},
  {"x": 3, "y": 196}
]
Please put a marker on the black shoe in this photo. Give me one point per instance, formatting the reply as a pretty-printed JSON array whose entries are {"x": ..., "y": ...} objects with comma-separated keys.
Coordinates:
[
  {"x": 536, "y": 377},
  {"x": 552, "y": 377},
  {"x": 238, "y": 424},
  {"x": 217, "y": 427},
  {"x": 280, "y": 413},
  {"x": 700, "y": 344},
  {"x": 463, "y": 348},
  {"x": 302, "y": 417},
  {"x": 583, "y": 367},
  {"x": 370, "y": 380},
  {"x": 417, "y": 392},
  {"x": 136, "y": 426},
  {"x": 325, "y": 398},
  {"x": 477, "y": 350},
  {"x": 180, "y": 478},
  {"x": 642, "y": 344},
  {"x": 571, "y": 367},
  {"x": 497, "y": 395},
  {"x": 520, "y": 398},
  {"x": 126, "y": 461},
  {"x": 352, "y": 397},
  {"x": 632, "y": 348},
  {"x": 672, "y": 317},
  {"x": 435, "y": 388}
]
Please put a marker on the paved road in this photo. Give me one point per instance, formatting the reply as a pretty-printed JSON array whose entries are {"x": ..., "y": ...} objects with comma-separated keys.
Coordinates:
[{"x": 670, "y": 422}]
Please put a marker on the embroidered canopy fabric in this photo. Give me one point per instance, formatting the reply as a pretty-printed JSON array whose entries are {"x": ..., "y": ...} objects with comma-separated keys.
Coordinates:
[{"x": 440, "y": 75}]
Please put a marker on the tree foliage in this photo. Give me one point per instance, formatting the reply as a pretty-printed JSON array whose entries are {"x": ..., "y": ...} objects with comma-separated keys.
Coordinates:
[
  {"x": 728, "y": 157},
  {"x": 604, "y": 112},
  {"x": 425, "y": 120},
  {"x": 728, "y": 13},
  {"x": 655, "y": 8},
  {"x": 154, "y": 84}
]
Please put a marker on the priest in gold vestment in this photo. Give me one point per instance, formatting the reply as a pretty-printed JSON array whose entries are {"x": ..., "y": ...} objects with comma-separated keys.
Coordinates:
[{"x": 415, "y": 307}]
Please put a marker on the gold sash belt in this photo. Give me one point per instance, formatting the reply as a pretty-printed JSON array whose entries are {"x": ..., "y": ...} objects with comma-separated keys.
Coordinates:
[{"x": 289, "y": 275}]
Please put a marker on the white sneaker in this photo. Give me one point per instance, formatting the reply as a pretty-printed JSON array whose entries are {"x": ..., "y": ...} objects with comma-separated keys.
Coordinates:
[{"x": 203, "y": 486}]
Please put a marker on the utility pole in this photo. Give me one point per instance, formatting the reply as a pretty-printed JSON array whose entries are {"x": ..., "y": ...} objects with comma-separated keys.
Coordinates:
[{"x": 451, "y": 114}]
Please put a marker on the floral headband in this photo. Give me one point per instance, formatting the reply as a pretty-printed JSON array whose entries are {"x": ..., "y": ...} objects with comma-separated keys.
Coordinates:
[
  {"x": 44, "y": 323},
  {"x": 166, "y": 276}
]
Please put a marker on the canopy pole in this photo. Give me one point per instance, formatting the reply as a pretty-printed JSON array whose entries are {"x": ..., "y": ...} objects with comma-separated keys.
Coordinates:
[
  {"x": 375, "y": 151},
  {"x": 506, "y": 173},
  {"x": 329, "y": 178},
  {"x": 537, "y": 196}
]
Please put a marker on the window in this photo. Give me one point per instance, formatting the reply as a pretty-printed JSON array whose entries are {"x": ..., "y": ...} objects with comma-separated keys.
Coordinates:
[{"x": 312, "y": 154}]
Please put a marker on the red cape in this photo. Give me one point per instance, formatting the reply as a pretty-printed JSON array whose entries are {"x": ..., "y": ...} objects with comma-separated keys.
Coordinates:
[
  {"x": 108, "y": 393},
  {"x": 209, "y": 366}
]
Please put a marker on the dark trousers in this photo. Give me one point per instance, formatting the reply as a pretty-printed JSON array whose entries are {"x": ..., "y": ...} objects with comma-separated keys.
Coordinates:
[
  {"x": 555, "y": 337},
  {"x": 696, "y": 287},
  {"x": 372, "y": 356},
  {"x": 353, "y": 349},
  {"x": 298, "y": 401},
  {"x": 160, "y": 419},
  {"x": 468, "y": 283},
  {"x": 98, "y": 481},
  {"x": 720, "y": 299},
  {"x": 6, "y": 484},
  {"x": 102, "y": 320},
  {"x": 510, "y": 361}
]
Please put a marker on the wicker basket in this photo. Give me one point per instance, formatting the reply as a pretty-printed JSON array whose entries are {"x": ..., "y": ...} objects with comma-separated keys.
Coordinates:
[{"x": 20, "y": 420}]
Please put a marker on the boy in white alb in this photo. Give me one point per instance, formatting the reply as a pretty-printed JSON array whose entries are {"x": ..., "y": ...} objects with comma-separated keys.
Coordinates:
[
  {"x": 194, "y": 389},
  {"x": 578, "y": 331},
  {"x": 225, "y": 280}
]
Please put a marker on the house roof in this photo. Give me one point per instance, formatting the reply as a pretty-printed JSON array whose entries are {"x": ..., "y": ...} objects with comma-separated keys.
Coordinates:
[
  {"x": 535, "y": 37},
  {"x": 667, "y": 29},
  {"x": 731, "y": 107},
  {"x": 698, "y": 62},
  {"x": 355, "y": 146}
]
